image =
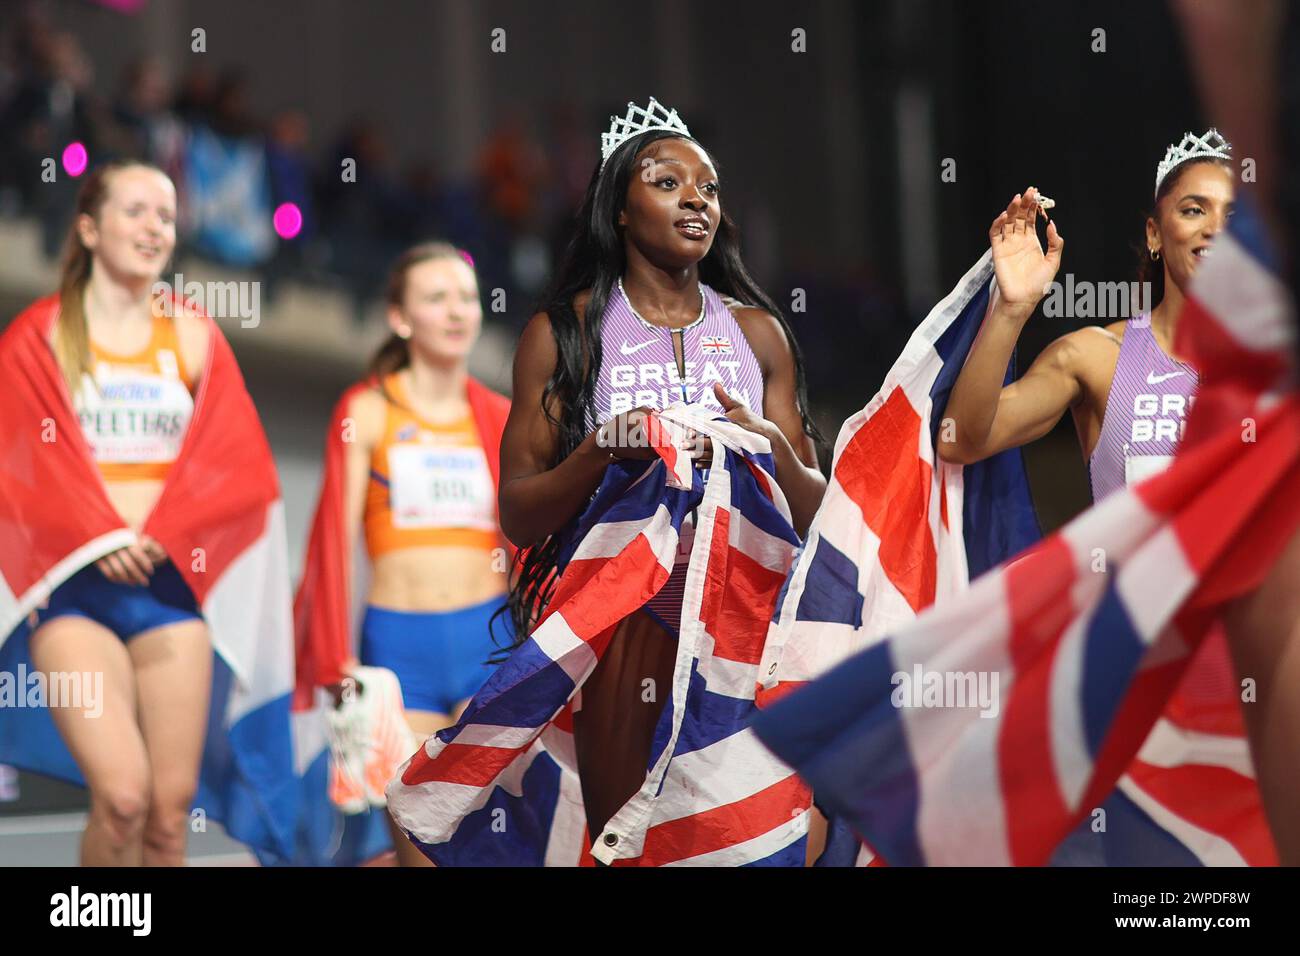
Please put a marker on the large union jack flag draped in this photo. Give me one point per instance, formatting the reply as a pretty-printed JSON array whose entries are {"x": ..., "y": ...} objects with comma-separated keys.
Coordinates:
[{"x": 501, "y": 787}]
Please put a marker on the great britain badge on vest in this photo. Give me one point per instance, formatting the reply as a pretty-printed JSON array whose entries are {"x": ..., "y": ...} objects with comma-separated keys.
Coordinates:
[{"x": 715, "y": 345}]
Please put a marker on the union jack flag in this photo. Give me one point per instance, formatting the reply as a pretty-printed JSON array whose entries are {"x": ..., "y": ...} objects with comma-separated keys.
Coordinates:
[
  {"x": 1088, "y": 634},
  {"x": 502, "y": 788},
  {"x": 715, "y": 344}
]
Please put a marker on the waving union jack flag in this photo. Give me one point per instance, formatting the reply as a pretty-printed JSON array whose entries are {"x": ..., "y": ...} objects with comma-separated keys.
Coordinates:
[{"x": 1088, "y": 634}]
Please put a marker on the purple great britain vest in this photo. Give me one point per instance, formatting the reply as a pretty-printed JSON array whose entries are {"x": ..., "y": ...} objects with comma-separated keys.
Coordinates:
[
  {"x": 1145, "y": 412},
  {"x": 639, "y": 367}
]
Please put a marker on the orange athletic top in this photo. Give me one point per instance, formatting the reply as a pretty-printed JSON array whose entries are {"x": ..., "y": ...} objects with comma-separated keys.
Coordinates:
[
  {"x": 135, "y": 410},
  {"x": 429, "y": 484}
]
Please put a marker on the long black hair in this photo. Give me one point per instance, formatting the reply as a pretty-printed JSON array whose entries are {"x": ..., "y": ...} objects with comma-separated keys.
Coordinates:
[{"x": 595, "y": 260}]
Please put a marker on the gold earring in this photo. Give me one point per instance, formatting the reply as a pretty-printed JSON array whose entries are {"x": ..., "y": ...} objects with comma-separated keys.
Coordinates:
[{"x": 1155, "y": 254}]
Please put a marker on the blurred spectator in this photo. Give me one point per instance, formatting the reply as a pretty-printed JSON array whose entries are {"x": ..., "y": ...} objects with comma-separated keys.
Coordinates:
[
  {"x": 424, "y": 215},
  {"x": 291, "y": 182},
  {"x": 233, "y": 171},
  {"x": 52, "y": 105},
  {"x": 150, "y": 130},
  {"x": 511, "y": 167},
  {"x": 358, "y": 213},
  {"x": 196, "y": 99},
  {"x": 227, "y": 185}
]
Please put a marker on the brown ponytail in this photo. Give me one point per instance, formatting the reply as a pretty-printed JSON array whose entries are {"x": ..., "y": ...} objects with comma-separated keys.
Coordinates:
[
  {"x": 71, "y": 334},
  {"x": 395, "y": 354}
]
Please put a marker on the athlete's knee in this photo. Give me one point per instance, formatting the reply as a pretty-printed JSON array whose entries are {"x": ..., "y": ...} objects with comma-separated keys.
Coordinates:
[
  {"x": 121, "y": 809},
  {"x": 169, "y": 814}
]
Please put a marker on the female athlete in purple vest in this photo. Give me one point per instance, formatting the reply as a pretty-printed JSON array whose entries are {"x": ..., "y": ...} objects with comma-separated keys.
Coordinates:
[
  {"x": 1126, "y": 390},
  {"x": 651, "y": 305},
  {"x": 1127, "y": 393}
]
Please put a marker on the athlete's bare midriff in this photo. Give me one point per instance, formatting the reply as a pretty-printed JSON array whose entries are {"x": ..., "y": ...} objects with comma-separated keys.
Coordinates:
[
  {"x": 134, "y": 500},
  {"x": 437, "y": 578}
]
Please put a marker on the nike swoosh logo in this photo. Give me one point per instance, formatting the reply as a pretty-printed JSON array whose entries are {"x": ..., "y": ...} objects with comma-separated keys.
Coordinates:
[
  {"x": 1154, "y": 379},
  {"x": 629, "y": 350}
]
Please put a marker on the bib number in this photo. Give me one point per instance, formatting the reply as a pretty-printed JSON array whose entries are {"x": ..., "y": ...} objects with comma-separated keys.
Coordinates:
[
  {"x": 433, "y": 487},
  {"x": 1138, "y": 468}
]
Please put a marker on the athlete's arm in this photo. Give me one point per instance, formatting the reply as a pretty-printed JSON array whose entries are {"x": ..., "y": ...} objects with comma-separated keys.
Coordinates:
[
  {"x": 793, "y": 449},
  {"x": 363, "y": 429},
  {"x": 982, "y": 417},
  {"x": 536, "y": 500},
  {"x": 192, "y": 333}
]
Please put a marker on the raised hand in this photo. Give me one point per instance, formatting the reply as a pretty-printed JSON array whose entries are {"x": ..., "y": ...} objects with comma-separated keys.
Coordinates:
[{"x": 1023, "y": 270}]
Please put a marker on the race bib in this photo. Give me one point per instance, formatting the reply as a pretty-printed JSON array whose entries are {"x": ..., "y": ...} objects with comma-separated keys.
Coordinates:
[
  {"x": 133, "y": 416},
  {"x": 1138, "y": 468},
  {"x": 433, "y": 486}
]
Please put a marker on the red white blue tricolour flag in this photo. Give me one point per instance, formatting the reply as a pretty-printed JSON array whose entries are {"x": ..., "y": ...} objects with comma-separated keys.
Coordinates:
[{"x": 220, "y": 519}]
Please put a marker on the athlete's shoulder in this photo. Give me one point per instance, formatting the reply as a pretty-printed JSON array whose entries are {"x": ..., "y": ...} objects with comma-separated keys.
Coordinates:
[
  {"x": 751, "y": 316},
  {"x": 366, "y": 405},
  {"x": 1091, "y": 342},
  {"x": 538, "y": 330},
  {"x": 544, "y": 319},
  {"x": 36, "y": 319},
  {"x": 1114, "y": 331},
  {"x": 764, "y": 333},
  {"x": 43, "y": 307},
  {"x": 42, "y": 311},
  {"x": 537, "y": 349},
  {"x": 193, "y": 329},
  {"x": 1087, "y": 355}
]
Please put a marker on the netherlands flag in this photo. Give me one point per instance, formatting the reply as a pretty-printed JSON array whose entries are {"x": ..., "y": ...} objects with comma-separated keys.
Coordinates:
[
  {"x": 1082, "y": 641},
  {"x": 502, "y": 788},
  {"x": 220, "y": 519}
]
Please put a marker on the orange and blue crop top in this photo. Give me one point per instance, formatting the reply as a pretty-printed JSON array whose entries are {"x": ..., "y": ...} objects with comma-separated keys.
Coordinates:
[
  {"x": 136, "y": 409},
  {"x": 429, "y": 484}
]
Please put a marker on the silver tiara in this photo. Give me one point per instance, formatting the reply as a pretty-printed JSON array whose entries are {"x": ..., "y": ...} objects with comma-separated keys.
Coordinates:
[
  {"x": 1209, "y": 146},
  {"x": 637, "y": 120}
]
